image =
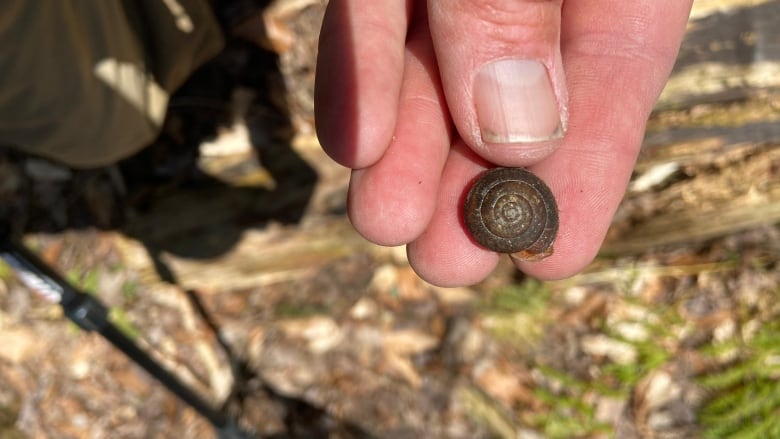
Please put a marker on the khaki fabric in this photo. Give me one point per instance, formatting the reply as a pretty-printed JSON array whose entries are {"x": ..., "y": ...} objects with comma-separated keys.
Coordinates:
[{"x": 87, "y": 82}]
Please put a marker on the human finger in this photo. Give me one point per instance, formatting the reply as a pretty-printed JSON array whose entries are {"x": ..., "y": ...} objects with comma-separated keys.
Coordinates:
[
  {"x": 618, "y": 55},
  {"x": 502, "y": 72},
  {"x": 616, "y": 63},
  {"x": 392, "y": 201},
  {"x": 445, "y": 254},
  {"x": 358, "y": 78}
]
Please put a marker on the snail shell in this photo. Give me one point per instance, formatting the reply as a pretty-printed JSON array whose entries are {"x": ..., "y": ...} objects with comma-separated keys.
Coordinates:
[{"x": 510, "y": 210}]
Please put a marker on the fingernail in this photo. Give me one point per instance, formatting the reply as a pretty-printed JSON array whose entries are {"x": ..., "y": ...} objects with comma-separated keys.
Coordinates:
[{"x": 515, "y": 102}]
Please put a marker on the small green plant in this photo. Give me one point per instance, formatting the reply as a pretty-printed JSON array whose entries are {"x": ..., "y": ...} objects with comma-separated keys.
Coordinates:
[
  {"x": 745, "y": 395},
  {"x": 5, "y": 271},
  {"x": 85, "y": 281},
  {"x": 650, "y": 356},
  {"x": 568, "y": 414},
  {"x": 516, "y": 314},
  {"x": 529, "y": 297},
  {"x": 129, "y": 290},
  {"x": 122, "y": 321},
  {"x": 293, "y": 310}
]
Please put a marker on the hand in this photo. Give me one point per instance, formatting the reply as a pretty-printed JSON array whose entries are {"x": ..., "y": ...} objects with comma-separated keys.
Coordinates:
[{"x": 419, "y": 97}]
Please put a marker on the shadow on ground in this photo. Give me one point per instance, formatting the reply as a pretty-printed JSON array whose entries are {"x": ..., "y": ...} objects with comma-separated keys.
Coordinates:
[{"x": 163, "y": 198}]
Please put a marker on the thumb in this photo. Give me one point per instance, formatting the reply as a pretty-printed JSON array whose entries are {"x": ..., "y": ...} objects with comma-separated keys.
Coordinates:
[{"x": 501, "y": 70}]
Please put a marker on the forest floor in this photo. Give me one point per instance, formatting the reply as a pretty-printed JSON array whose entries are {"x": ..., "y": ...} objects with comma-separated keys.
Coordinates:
[{"x": 224, "y": 250}]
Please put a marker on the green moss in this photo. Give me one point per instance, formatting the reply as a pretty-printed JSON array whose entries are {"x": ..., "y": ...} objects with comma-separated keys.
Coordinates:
[
  {"x": 529, "y": 297},
  {"x": 299, "y": 310},
  {"x": 6, "y": 273},
  {"x": 516, "y": 314},
  {"x": 568, "y": 415},
  {"x": 129, "y": 291},
  {"x": 744, "y": 397},
  {"x": 121, "y": 320},
  {"x": 86, "y": 281}
]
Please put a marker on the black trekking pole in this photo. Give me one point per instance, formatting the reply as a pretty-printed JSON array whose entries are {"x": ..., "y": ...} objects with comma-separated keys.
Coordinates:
[{"x": 91, "y": 315}]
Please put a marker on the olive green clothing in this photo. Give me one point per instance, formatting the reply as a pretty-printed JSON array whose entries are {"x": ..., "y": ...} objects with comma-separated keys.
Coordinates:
[{"x": 87, "y": 82}]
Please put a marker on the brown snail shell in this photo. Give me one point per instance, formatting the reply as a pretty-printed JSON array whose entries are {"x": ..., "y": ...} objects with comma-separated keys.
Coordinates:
[{"x": 510, "y": 210}]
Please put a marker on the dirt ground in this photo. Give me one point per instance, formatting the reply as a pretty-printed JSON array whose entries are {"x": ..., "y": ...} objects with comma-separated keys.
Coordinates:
[{"x": 224, "y": 251}]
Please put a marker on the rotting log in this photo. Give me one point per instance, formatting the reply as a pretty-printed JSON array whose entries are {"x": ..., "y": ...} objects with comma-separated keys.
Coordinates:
[{"x": 710, "y": 163}]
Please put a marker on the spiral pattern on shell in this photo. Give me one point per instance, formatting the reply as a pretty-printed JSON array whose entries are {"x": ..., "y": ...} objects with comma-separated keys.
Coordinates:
[{"x": 510, "y": 210}]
